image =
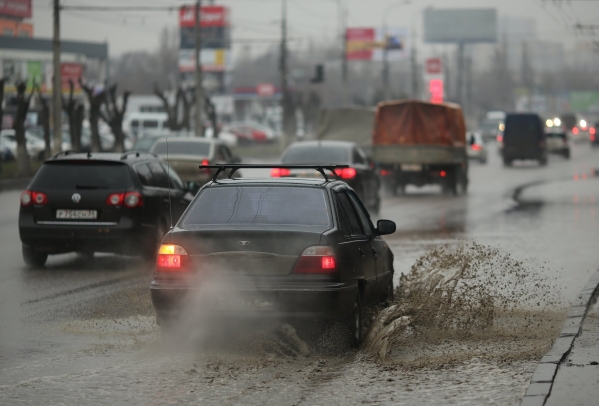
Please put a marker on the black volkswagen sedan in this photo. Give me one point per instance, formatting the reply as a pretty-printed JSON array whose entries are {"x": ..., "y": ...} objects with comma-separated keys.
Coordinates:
[
  {"x": 360, "y": 174},
  {"x": 99, "y": 202},
  {"x": 290, "y": 247}
]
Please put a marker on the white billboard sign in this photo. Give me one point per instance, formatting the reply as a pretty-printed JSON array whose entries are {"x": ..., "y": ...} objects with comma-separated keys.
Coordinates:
[{"x": 460, "y": 25}]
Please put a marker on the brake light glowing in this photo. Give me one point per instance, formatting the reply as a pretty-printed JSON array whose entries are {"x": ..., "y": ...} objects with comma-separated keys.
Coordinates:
[
  {"x": 205, "y": 162},
  {"x": 316, "y": 260},
  {"x": 28, "y": 197},
  {"x": 592, "y": 130},
  {"x": 575, "y": 131},
  {"x": 500, "y": 138},
  {"x": 443, "y": 174},
  {"x": 476, "y": 147},
  {"x": 346, "y": 173},
  {"x": 130, "y": 199},
  {"x": 385, "y": 172},
  {"x": 279, "y": 172},
  {"x": 171, "y": 258}
]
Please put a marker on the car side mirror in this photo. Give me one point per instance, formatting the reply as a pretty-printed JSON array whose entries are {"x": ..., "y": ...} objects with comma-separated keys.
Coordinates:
[{"x": 385, "y": 227}]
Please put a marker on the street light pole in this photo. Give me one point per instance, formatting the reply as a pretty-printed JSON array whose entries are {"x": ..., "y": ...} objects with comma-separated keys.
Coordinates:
[
  {"x": 386, "y": 90},
  {"x": 342, "y": 16},
  {"x": 199, "y": 93},
  {"x": 283, "y": 66},
  {"x": 57, "y": 82}
]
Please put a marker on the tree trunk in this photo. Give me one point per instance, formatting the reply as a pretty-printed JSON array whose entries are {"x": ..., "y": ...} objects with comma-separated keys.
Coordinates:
[
  {"x": 77, "y": 128},
  {"x": 94, "y": 117},
  {"x": 23, "y": 164},
  {"x": 119, "y": 139},
  {"x": 23, "y": 161}
]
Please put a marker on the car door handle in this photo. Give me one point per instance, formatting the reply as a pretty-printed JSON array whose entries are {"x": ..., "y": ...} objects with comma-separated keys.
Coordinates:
[
  {"x": 361, "y": 252},
  {"x": 375, "y": 253}
]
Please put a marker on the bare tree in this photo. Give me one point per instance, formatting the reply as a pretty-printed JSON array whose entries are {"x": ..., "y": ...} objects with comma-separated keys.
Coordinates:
[
  {"x": 23, "y": 163},
  {"x": 96, "y": 100},
  {"x": 113, "y": 115},
  {"x": 70, "y": 107},
  {"x": 45, "y": 119},
  {"x": 180, "y": 111}
]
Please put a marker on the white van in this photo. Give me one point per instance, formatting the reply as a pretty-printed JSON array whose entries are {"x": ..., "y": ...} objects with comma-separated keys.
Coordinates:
[{"x": 142, "y": 125}]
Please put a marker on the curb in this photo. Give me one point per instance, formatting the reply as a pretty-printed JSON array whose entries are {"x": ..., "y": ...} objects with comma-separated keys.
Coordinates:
[{"x": 541, "y": 382}]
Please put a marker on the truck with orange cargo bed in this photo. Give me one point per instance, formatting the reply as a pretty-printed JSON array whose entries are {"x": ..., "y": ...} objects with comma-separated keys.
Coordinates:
[{"x": 419, "y": 143}]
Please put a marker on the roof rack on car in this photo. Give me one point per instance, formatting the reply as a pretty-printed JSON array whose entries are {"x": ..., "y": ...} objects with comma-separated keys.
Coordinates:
[
  {"x": 234, "y": 167},
  {"x": 137, "y": 154}
]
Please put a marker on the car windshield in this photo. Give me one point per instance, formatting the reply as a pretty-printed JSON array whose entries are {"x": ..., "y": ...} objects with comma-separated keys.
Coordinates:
[
  {"x": 83, "y": 175},
  {"x": 317, "y": 154},
  {"x": 556, "y": 135},
  {"x": 183, "y": 148},
  {"x": 145, "y": 144},
  {"x": 255, "y": 205}
]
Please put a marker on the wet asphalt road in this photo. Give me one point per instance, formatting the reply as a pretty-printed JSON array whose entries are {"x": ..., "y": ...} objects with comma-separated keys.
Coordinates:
[{"x": 81, "y": 331}]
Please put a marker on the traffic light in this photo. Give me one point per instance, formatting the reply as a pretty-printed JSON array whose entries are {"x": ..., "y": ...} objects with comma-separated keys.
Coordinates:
[{"x": 319, "y": 74}]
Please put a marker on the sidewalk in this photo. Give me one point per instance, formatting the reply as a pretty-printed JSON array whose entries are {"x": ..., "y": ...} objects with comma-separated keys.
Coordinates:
[
  {"x": 569, "y": 373},
  {"x": 577, "y": 378}
]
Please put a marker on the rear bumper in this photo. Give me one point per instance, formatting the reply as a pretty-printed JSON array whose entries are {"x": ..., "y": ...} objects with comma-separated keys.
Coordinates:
[
  {"x": 126, "y": 237},
  {"x": 289, "y": 301}
]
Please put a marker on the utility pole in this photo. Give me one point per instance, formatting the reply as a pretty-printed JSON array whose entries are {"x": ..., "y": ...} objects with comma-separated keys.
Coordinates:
[
  {"x": 284, "y": 95},
  {"x": 199, "y": 92},
  {"x": 342, "y": 15},
  {"x": 57, "y": 82},
  {"x": 460, "y": 72}
]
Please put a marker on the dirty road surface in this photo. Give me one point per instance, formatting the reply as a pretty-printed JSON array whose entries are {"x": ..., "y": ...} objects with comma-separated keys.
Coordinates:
[{"x": 486, "y": 281}]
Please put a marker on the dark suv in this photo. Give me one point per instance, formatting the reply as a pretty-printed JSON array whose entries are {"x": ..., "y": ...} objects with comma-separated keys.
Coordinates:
[
  {"x": 283, "y": 248},
  {"x": 99, "y": 203},
  {"x": 524, "y": 138}
]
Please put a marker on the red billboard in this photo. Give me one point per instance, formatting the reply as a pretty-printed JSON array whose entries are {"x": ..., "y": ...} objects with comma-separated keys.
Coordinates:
[
  {"x": 71, "y": 71},
  {"x": 360, "y": 43},
  {"x": 15, "y": 8},
  {"x": 211, "y": 16}
]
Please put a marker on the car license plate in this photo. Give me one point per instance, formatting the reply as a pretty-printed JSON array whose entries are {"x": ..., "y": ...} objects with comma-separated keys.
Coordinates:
[
  {"x": 411, "y": 168},
  {"x": 77, "y": 214},
  {"x": 244, "y": 303}
]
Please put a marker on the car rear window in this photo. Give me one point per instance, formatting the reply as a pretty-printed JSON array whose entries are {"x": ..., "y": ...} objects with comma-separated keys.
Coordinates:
[
  {"x": 314, "y": 154},
  {"x": 557, "y": 135},
  {"x": 83, "y": 175},
  {"x": 145, "y": 144},
  {"x": 183, "y": 148},
  {"x": 522, "y": 127},
  {"x": 256, "y": 205}
]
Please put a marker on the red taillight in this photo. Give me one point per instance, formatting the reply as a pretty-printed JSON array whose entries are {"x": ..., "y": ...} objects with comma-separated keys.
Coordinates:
[
  {"x": 592, "y": 130},
  {"x": 575, "y": 131},
  {"x": 346, "y": 173},
  {"x": 476, "y": 147},
  {"x": 443, "y": 174},
  {"x": 205, "y": 162},
  {"x": 29, "y": 197},
  {"x": 115, "y": 199},
  {"x": 279, "y": 172},
  {"x": 133, "y": 199},
  {"x": 130, "y": 199},
  {"x": 385, "y": 172},
  {"x": 500, "y": 138},
  {"x": 172, "y": 258},
  {"x": 317, "y": 260}
]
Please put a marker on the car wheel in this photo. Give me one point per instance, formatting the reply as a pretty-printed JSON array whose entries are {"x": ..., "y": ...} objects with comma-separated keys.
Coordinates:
[
  {"x": 160, "y": 231},
  {"x": 507, "y": 162},
  {"x": 33, "y": 258},
  {"x": 567, "y": 154},
  {"x": 355, "y": 326}
]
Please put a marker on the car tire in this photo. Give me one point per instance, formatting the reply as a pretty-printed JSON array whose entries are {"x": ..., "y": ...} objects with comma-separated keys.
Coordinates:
[
  {"x": 355, "y": 324},
  {"x": 567, "y": 154},
  {"x": 34, "y": 259},
  {"x": 507, "y": 162},
  {"x": 483, "y": 161},
  {"x": 152, "y": 249}
]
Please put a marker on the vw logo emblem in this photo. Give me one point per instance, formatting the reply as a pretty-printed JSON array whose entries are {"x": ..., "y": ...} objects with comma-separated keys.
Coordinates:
[
  {"x": 76, "y": 198},
  {"x": 243, "y": 243}
]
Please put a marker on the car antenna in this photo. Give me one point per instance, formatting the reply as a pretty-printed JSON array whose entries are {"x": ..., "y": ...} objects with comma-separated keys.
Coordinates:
[{"x": 168, "y": 169}]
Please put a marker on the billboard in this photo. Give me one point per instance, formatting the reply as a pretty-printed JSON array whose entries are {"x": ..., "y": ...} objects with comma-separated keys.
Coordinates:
[
  {"x": 584, "y": 102},
  {"x": 460, "y": 25},
  {"x": 369, "y": 44},
  {"x": 15, "y": 8},
  {"x": 212, "y": 16},
  {"x": 435, "y": 80},
  {"x": 213, "y": 60}
]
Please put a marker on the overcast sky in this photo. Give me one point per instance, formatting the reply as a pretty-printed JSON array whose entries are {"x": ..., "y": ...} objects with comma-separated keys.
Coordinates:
[{"x": 308, "y": 19}]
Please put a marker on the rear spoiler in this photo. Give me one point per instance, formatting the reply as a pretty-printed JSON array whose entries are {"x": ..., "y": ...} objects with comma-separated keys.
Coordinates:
[{"x": 235, "y": 167}]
